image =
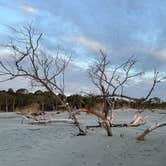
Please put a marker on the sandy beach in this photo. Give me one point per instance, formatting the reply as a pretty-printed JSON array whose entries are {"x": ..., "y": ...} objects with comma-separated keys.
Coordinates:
[{"x": 58, "y": 145}]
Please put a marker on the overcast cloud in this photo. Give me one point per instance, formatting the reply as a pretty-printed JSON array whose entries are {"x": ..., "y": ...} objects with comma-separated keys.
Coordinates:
[{"x": 120, "y": 27}]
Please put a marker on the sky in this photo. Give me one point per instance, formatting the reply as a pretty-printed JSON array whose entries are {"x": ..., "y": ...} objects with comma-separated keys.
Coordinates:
[{"x": 121, "y": 28}]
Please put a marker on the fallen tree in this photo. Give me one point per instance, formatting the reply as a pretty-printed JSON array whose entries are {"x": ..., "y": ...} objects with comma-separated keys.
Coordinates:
[
  {"x": 42, "y": 119},
  {"x": 46, "y": 121},
  {"x": 148, "y": 130},
  {"x": 138, "y": 120}
]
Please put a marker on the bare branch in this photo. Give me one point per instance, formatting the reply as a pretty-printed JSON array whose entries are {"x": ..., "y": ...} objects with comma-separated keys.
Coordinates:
[
  {"x": 156, "y": 79},
  {"x": 31, "y": 62},
  {"x": 111, "y": 83}
]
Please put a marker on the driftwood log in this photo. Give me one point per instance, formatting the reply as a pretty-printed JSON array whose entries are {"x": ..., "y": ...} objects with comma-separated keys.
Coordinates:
[
  {"x": 34, "y": 115},
  {"x": 138, "y": 120},
  {"x": 148, "y": 130},
  {"x": 42, "y": 120},
  {"x": 70, "y": 121}
]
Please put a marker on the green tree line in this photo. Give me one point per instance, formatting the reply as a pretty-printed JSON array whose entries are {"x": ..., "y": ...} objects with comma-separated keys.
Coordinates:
[{"x": 10, "y": 100}]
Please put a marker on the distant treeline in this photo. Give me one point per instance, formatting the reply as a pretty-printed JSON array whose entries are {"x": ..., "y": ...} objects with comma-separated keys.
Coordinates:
[{"x": 10, "y": 100}]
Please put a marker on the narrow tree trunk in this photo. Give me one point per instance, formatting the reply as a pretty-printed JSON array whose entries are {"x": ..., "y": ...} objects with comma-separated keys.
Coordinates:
[
  {"x": 6, "y": 104},
  {"x": 107, "y": 120},
  {"x": 81, "y": 131},
  {"x": 53, "y": 107},
  {"x": 42, "y": 107},
  {"x": 13, "y": 105},
  {"x": 68, "y": 108},
  {"x": 147, "y": 131},
  {"x": 112, "y": 113},
  {"x": 56, "y": 105},
  {"x": 105, "y": 107},
  {"x": 108, "y": 127}
]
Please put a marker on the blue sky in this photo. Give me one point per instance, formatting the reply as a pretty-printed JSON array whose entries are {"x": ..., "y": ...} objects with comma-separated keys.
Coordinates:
[{"x": 120, "y": 27}]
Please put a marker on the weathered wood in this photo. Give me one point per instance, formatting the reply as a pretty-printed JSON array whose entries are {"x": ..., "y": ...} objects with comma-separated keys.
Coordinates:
[
  {"x": 120, "y": 125},
  {"x": 125, "y": 125},
  {"x": 70, "y": 121},
  {"x": 36, "y": 120},
  {"x": 115, "y": 125},
  {"x": 148, "y": 130},
  {"x": 137, "y": 121},
  {"x": 101, "y": 116},
  {"x": 40, "y": 66},
  {"x": 93, "y": 126},
  {"x": 108, "y": 127},
  {"x": 76, "y": 121}
]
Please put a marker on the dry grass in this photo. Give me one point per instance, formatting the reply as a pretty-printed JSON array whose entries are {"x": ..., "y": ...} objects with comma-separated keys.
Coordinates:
[{"x": 33, "y": 109}]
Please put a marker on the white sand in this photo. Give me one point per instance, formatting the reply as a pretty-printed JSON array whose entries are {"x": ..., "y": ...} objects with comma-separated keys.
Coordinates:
[{"x": 57, "y": 145}]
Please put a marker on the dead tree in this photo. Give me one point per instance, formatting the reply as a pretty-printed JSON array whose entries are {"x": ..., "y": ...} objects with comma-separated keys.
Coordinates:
[
  {"x": 148, "y": 130},
  {"x": 137, "y": 120},
  {"x": 28, "y": 60},
  {"x": 111, "y": 81}
]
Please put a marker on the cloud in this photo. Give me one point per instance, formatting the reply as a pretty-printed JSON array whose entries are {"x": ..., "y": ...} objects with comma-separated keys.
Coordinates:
[
  {"x": 14, "y": 84},
  {"x": 121, "y": 28},
  {"x": 76, "y": 79},
  {"x": 89, "y": 43},
  {"x": 160, "y": 54},
  {"x": 28, "y": 9},
  {"x": 4, "y": 52}
]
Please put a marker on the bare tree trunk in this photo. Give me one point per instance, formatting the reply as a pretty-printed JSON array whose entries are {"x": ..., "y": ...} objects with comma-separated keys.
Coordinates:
[
  {"x": 72, "y": 114},
  {"x": 148, "y": 130},
  {"x": 42, "y": 107},
  {"x": 106, "y": 121},
  {"x": 53, "y": 107},
  {"x": 6, "y": 104},
  {"x": 105, "y": 107},
  {"x": 13, "y": 105},
  {"x": 108, "y": 127},
  {"x": 81, "y": 130}
]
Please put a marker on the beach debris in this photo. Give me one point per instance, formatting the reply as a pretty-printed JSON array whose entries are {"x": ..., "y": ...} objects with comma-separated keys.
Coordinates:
[
  {"x": 148, "y": 130},
  {"x": 138, "y": 120},
  {"x": 44, "y": 119}
]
